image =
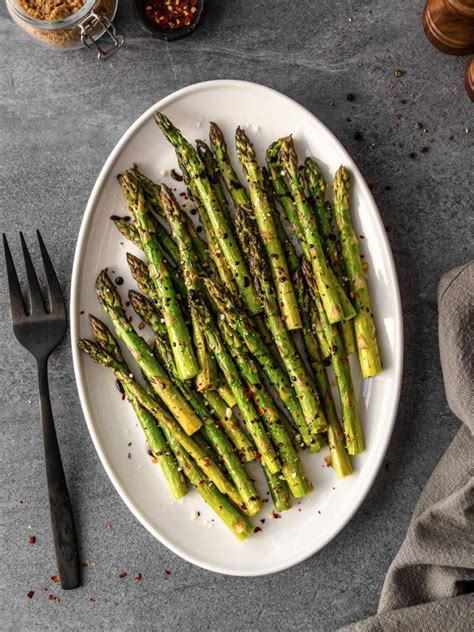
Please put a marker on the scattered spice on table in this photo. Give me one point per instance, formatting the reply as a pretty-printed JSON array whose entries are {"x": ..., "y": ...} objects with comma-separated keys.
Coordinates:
[
  {"x": 137, "y": 577},
  {"x": 171, "y": 14},
  {"x": 122, "y": 574},
  {"x": 167, "y": 572},
  {"x": 55, "y": 579},
  {"x": 31, "y": 539},
  {"x": 54, "y": 598},
  {"x": 30, "y": 594}
]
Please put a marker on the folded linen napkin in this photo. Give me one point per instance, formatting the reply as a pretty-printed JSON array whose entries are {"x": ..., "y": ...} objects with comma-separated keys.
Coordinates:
[{"x": 430, "y": 583}]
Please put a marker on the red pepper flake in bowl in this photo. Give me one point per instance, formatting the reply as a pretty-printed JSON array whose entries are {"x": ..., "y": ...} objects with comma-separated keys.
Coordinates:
[{"x": 171, "y": 14}]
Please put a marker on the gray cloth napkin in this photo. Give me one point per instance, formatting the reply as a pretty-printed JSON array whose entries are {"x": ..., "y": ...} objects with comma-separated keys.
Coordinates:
[{"x": 430, "y": 583}]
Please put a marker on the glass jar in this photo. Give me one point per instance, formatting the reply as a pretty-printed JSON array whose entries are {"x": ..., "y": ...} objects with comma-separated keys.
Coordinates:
[{"x": 85, "y": 27}]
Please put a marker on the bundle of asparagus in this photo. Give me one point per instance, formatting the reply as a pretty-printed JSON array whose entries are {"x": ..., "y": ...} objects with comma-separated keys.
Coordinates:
[{"x": 224, "y": 310}]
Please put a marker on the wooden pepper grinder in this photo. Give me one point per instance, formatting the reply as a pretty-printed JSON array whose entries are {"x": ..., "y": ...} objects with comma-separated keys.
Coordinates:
[
  {"x": 449, "y": 25},
  {"x": 469, "y": 79}
]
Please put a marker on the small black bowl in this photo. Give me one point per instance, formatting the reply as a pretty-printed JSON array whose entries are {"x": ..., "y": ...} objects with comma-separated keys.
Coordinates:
[{"x": 169, "y": 35}]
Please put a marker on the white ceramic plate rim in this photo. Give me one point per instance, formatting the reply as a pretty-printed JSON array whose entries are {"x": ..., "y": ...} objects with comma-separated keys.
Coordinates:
[{"x": 373, "y": 465}]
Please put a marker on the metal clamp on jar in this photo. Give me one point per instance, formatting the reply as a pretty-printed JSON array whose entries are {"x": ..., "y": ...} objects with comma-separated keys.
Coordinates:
[{"x": 76, "y": 23}]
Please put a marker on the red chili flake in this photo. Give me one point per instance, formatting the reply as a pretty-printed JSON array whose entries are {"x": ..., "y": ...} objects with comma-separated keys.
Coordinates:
[
  {"x": 276, "y": 515},
  {"x": 129, "y": 455},
  {"x": 30, "y": 594},
  {"x": 171, "y": 15},
  {"x": 122, "y": 574},
  {"x": 54, "y": 598},
  {"x": 137, "y": 577},
  {"x": 108, "y": 525},
  {"x": 141, "y": 325},
  {"x": 55, "y": 579},
  {"x": 249, "y": 394},
  {"x": 257, "y": 529},
  {"x": 31, "y": 539},
  {"x": 365, "y": 266},
  {"x": 167, "y": 572}
]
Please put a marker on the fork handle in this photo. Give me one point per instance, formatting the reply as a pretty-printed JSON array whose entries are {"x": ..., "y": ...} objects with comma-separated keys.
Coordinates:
[{"x": 62, "y": 522}]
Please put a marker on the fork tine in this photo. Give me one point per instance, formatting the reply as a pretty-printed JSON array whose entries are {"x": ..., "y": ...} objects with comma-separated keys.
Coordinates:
[
  {"x": 56, "y": 299},
  {"x": 16, "y": 299},
  {"x": 34, "y": 290}
]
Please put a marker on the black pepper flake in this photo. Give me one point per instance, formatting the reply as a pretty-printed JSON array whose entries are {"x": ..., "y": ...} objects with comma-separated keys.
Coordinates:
[
  {"x": 387, "y": 187},
  {"x": 327, "y": 362},
  {"x": 81, "y": 312},
  {"x": 246, "y": 281},
  {"x": 176, "y": 176},
  {"x": 119, "y": 280},
  {"x": 257, "y": 529},
  {"x": 412, "y": 154},
  {"x": 424, "y": 149},
  {"x": 199, "y": 229},
  {"x": 167, "y": 572},
  {"x": 357, "y": 136},
  {"x": 350, "y": 97}
]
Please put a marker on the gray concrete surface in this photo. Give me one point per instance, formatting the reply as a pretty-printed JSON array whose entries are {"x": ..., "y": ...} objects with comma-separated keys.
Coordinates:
[{"x": 61, "y": 114}]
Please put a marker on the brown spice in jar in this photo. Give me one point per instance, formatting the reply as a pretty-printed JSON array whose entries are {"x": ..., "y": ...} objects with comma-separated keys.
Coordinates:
[
  {"x": 51, "y": 9},
  {"x": 55, "y": 10}
]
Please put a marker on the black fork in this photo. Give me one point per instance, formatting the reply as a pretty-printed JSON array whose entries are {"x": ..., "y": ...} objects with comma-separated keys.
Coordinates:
[{"x": 40, "y": 328}]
